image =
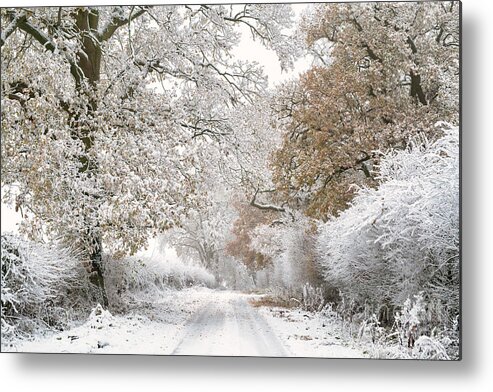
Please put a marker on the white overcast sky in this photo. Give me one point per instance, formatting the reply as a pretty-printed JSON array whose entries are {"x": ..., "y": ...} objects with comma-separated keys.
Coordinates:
[{"x": 248, "y": 49}]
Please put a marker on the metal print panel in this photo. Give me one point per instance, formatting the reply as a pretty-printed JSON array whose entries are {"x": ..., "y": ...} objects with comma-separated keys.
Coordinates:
[{"x": 232, "y": 179}]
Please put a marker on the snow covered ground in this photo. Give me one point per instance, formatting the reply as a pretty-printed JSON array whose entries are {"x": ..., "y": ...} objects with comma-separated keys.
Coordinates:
[
  {"x": 147, "y": 329},
  {"x": 307, "y": 334},
  {"x": 199, "y": 321}
]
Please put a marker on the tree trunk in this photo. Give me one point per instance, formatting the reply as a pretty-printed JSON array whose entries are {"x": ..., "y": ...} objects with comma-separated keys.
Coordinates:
[
  {"x": 416, "y": 88},
  {"x": 87, "y": 21},
  {"x": 253, "y": 275},
  {"x": 97, "y": 276}
]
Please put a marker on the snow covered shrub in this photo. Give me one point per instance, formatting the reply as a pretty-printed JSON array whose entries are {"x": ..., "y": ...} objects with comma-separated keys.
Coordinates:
[
  {"x": 411, "y": 320},
  {"x": 449, "y": 337},
  {"x": 402, "y": 237},
  {"x": 399, "y": 341},
  {"x": 335, "y": 324},
  {"x": 429, "y": 348},
  {"x": 146, "y": 277},
  {"x": 370, "y": 327},
  {"x": 44, "y": 286},
  {"x": 410, "y": 336},
  {"x": 420, "y": 222},
  {"x": 313, "y": 298},
  {"x": 416, "y": 330},
  {"x": 100, "y": 317}
]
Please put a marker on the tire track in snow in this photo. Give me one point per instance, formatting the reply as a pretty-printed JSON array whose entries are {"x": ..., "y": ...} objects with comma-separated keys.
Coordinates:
[{"x": 229, "y": 326}]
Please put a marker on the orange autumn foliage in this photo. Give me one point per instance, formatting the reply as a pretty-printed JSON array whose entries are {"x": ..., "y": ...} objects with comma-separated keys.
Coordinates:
[{"x": 385, "y": 72}]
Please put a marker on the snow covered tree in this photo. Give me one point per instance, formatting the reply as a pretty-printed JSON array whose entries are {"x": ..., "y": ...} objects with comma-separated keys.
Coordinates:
[
  {"x": 289, "y": 245},
  {"x": 383, "y": 72},
  {"x": 107, "y": 112},
  {"x": 203, "y": 233},
  {"x": 240, "y": 246},
  {"x": 237, "y": 173}
]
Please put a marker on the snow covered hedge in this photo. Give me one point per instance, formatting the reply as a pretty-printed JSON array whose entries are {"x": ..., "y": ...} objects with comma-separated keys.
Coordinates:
[
  {"x": 43, "y": 287},
  {"x": 143, "y": 278},
  {"x": 401, "y": 238}
]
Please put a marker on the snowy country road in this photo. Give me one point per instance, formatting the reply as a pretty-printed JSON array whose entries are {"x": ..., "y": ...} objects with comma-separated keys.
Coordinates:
[
  {"x": 229, "y": 325},
  {"x": 200, "y": 321}
]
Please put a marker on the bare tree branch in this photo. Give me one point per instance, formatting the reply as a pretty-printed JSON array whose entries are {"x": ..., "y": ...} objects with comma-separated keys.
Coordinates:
[
  {"x": 117, "y": 21},
  {"x": 11, "y": 27},
  {"x": 266, "y": 207}
]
